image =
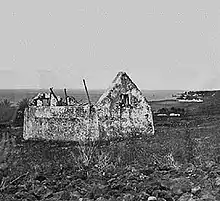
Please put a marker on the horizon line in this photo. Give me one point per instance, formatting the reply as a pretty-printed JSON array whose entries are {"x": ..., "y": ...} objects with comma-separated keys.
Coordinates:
[{"x": 102, "y": 89}]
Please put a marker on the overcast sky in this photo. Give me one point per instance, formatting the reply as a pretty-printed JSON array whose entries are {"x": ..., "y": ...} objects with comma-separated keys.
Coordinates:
[{"x": 160, "y": 44}]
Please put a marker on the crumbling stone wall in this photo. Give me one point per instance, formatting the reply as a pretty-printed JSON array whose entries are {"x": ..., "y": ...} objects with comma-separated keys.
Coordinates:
[
  {"x": 66, "y": 123},
  {"x": 120, "y": 111},
  {"x": 123, "y": 109}
]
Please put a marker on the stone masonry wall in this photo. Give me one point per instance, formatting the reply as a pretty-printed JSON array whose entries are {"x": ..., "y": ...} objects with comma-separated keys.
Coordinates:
[
  {"x": 120, "y": 111},
  {"x": 66, "y": 123}
]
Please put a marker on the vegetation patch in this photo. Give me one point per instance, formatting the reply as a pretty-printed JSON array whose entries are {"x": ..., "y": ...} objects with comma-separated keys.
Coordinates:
[{"x": 180, "y": 162}]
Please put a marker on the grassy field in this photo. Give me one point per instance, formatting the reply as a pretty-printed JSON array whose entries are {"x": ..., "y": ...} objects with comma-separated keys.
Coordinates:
[{"x": 180, "y": 162}]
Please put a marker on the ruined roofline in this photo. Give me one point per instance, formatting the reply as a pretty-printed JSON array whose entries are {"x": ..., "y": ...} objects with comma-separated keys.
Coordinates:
[
  {"x": 122, "y": 73},
  {"x": 117, "y": 80}
]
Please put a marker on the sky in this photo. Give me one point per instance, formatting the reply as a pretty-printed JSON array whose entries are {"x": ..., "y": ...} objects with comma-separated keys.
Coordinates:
[{"x": 161, "y": 44}]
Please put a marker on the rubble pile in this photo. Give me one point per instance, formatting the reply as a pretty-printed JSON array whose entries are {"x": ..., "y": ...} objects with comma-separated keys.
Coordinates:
[{"x": 50, "y": 99}]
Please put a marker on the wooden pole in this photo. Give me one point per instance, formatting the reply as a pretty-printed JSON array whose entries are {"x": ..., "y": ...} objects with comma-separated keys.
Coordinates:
[
  {"x": 65, "y": 92},
  {"x": 87, "y": 93},
  {"x": 51, "y": 90}
]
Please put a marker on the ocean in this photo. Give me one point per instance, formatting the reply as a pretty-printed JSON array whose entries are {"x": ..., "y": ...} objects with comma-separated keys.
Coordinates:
[{"x": 15, "y": 95}]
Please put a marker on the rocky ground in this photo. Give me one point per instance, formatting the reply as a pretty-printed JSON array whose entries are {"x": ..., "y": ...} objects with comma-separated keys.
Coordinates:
[
  {"x": 128, "y": 183},
  {"x": 117, "y": 171}
]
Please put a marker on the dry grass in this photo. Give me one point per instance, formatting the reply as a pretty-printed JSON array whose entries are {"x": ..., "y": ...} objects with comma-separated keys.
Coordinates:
[
  {"x": 173, "y": 147},
  {"x": 6, "y": 148}
]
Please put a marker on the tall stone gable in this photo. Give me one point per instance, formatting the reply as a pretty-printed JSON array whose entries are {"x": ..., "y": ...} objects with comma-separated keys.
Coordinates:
[{"x": 123, "y": 110}]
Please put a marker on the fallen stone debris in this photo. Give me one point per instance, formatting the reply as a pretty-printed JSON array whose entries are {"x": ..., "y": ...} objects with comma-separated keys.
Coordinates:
[{"x": 50, "y": 99}]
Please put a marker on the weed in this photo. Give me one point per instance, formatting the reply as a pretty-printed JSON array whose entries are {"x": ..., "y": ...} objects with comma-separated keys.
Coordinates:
[
  {"x": 170, "y": 161},
  {"x": 86, "y": 152}
]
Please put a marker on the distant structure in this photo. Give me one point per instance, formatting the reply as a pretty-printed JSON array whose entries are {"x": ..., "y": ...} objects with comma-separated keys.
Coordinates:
[
  {"x": 122, "y": 110},
  {"x": 190, "y": 96}
]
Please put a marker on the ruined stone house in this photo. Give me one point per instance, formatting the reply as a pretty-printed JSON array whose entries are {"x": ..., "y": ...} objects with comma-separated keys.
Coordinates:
[{"x": 120, "y": 111}]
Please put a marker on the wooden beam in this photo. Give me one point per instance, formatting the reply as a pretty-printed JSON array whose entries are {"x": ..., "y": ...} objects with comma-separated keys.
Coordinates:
[
  {"x": 51, "y": 90},
  {"x": 87, "y": 93},
  {"x": 66, "y": 96}
]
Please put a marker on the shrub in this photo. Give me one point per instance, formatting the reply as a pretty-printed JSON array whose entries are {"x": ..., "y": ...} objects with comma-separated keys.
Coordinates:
[
  {"x": 7, "y": 113},
  {"x": 22, "y": 105},
  {"x": 5, "y": 103}
]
